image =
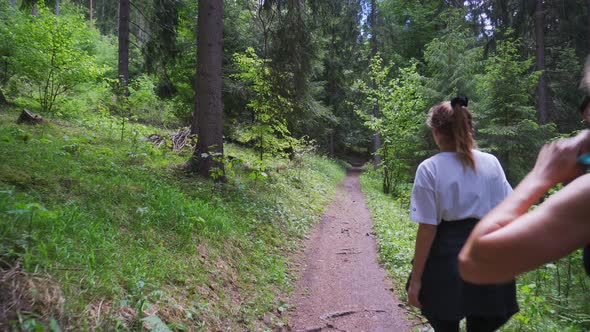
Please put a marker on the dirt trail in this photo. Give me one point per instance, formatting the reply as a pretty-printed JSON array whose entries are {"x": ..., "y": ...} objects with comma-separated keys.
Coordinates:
[{"x": 342, "y": 287}]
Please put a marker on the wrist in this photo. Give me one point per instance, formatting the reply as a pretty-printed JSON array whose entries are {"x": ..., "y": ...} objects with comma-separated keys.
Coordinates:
[{"x": 538, "y": 182}]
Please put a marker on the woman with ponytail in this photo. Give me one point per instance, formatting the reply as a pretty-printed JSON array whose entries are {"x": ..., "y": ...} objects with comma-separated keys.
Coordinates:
[{"x": 452, "y": 191}]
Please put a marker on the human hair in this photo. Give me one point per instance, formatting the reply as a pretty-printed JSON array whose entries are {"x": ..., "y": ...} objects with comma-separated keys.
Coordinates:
[
  {"x": 454, "y": 121},
  {"x": 585, "y": 103}
]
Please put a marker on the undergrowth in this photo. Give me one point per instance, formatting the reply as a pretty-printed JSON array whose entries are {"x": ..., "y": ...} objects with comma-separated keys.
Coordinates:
[
  {"x": 554, "y": 297},
  {"x": 126, "y": 239}
]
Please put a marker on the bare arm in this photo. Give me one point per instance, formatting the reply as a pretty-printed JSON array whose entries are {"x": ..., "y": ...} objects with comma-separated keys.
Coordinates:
[
  {"x": 424, "y": 239},
  {"x": 509, "y": 240}
]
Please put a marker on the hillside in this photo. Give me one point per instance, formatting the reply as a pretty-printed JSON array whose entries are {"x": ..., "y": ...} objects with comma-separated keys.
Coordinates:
[{"x": 103, "y": 229}]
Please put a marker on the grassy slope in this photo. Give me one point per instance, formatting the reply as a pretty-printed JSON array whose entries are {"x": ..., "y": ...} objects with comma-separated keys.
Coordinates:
[
  {"x": 552, "y": 298},
  {"x": 111, "y": 231}
]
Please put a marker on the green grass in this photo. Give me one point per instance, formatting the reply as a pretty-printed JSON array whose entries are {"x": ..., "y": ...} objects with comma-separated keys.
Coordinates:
[
  {"x": 555, "y": 297},
  {"x": 125, "y": 233}
]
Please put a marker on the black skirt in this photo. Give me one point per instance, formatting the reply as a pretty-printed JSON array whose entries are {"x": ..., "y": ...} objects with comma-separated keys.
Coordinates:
[{"x": 444, "y": 295}]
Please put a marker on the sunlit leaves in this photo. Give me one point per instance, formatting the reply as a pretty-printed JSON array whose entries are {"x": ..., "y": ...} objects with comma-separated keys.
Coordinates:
[
  {"x": 268, "y": 129},
  {"x": 400, "y": 102},
  {"x": 50, "y": 52}
]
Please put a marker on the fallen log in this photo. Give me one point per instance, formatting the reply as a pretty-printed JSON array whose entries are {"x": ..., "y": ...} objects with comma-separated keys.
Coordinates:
[{"x": 29, "y": 117}]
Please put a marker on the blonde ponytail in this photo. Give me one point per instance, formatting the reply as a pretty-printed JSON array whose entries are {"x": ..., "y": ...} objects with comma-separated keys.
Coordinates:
[
  {"x": 453, "y": 120},
  {"x": 463, "y": 135}
]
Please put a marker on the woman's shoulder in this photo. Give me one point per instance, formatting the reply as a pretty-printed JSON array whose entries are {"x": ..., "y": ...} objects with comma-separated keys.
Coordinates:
[
  {"x": 485, "y": 156},
  {"x": 441, "y": 160},
  {"x": 488, "y": 161},
  {"x": 431, "y": 161}
]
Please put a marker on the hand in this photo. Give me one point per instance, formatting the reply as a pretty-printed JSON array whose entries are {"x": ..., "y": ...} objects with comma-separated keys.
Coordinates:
[
  {"x": 413, "y": 294},
  {"x": 556, "y": 162}
]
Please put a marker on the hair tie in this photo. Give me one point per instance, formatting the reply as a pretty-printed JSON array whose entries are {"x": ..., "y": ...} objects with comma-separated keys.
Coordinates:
[{"x": 461, "y": 100}]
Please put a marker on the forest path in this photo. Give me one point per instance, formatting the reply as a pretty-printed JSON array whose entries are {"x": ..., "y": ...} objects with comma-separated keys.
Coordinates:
[{"x": 342, "y": 286}]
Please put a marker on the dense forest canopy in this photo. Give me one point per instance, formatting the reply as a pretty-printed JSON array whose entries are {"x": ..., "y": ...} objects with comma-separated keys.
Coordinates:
[{"x": 298, "y": 71}]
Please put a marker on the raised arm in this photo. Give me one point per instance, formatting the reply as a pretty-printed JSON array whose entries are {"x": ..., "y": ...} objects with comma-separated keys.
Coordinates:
[{"x": 509, "y": 240}]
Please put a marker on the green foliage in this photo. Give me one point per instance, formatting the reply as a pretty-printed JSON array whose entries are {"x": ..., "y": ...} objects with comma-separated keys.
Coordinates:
[
  {"x": 564, "y": 78},
  {"x": 452, "y": 61},
  {"x": 553, "y": 297},
  {"x": 52, "y": 53},
  {"x": 506, "y": 116},
  {"x": 343, "y": 61},
  {"x": 144, "y": 105},
  {"x": 268, "y": 129},
  {"x": 110, "y": 219},
  {"x": 7, "y": 42},
  {"x": 407, "y": 26},
  {"x": 401, "y": 103}
]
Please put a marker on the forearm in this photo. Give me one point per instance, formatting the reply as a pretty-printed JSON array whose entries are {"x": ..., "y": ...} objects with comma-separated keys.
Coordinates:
[
  {"x": 528, "y": 191},
  {"x": 479, "y": 259},
  {"x": 424, "y": 238}
]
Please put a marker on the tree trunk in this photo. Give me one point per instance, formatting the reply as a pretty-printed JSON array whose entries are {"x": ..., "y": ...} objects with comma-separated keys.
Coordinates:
[
  {"x": 57, "y": 7},
  {"x": 34, "y": 8},
  {"x": 542, "y": 88},
  {"x": 124, "y": 45},
  {"x": 140, "y": 30},
  {"x": 206, "y": 159},
  {"x": 331, "y": 151},
  {"x": 3, "y": 100},
  {"x": 377, "y": 136},
  {"x": 91, "y": 11}
]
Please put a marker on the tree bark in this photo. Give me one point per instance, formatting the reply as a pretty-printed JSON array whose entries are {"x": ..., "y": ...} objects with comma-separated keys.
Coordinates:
[
  {"x": 3, "y": 100},
  {"x": 34, "y": 12},
  {"x": 542, "y": 88},
  {"x": 57, "y": 7},
  {"x": 206, "y": 159},
  {"x": 331, "y": 150},
  {"x": 124, "y": 45},
  {"x": 376, "y": 111},
  {"x": 91, "y": 11},
  {"x": 140, "y": 30}
]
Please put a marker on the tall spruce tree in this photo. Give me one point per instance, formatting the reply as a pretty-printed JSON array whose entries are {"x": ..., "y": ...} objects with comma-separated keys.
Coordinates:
[
  {"x": 208, "y": 117},
  {"x": 505, "y": 115},
  {"x": 123, "y": 33}
]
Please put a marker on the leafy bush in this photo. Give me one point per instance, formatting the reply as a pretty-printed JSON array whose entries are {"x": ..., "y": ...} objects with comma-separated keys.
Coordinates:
[
  {"x": 268, "y": 130},
  {"x": 51, "y": 52},
  {"x": 400, "y": 102}
]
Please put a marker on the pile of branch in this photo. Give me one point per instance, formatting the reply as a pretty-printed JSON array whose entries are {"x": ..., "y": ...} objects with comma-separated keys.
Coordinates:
[
  {"x": 180, "y": 139},
  {"x": 157, "y": 140}
]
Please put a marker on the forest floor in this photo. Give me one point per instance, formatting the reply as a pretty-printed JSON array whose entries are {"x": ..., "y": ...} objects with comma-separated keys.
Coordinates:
[{"x": 342, "y": 286}]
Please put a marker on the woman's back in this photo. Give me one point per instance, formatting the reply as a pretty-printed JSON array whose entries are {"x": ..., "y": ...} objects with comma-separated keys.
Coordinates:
[{"x": 459, "y": 192}]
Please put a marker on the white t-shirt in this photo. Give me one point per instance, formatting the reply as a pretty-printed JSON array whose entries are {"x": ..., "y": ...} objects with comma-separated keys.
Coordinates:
[{"x": 444, "y": 190}]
